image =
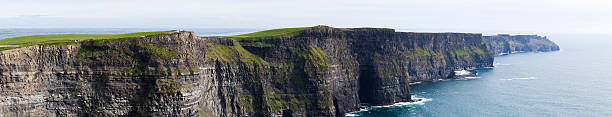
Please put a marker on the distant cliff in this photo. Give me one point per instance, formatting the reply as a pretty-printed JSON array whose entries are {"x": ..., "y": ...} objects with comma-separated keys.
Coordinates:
[
  {"x": 312, "y": 71},
  {"x": 503, "y": 44}
]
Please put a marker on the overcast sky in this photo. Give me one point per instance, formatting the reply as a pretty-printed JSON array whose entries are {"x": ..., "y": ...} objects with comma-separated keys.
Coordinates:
[{"x": 497, "y": 16}]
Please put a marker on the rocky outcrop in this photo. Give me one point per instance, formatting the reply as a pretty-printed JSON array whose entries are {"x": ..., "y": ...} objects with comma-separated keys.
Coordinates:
[
  {"x": 157, "y": 75},
  {"x": 504, "y": 44},
  {"x": 319, "y": 71}
]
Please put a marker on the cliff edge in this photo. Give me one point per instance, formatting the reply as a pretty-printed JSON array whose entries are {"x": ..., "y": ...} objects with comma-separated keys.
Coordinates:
[
  {"x": 310, "y": 71},
  {"x": 504, "y": 44}
]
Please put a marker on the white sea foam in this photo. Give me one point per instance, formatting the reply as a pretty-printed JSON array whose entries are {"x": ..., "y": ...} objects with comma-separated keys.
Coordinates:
[
  {"x": 527, "y": 78},
  {"x": 418, "y": 101},
  {"x": 439, "y": 80},
  {"x": 460, "y": 79},
  {"x": 471, "y": 77},
  {"x": 462, "y": 73},
  {"x": 351, "y": 115},
  {"x": 499, "y": 64},
  {"x": 413, "y": 83}
]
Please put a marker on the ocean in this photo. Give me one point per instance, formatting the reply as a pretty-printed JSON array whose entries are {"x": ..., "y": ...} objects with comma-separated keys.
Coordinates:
[{"x": 570, "y": 82}]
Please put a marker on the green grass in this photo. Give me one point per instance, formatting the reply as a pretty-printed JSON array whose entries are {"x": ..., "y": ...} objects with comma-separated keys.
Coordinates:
[
  {"x": 64, "y": 39},
  {"x": 168, "y": 86},
  {"x": 420, "y": 52},
  {"x": 314, "y": 56},
  {"x": 277, "y": 102},
  {"x": 479, "y": 50},
  {"x": 158, "y": 50},
  {"x": 234, "y": 53},
  {"x": 471, "y": 50},
  {"x": 262, "y": 44},
  {"x": 273, "y": 32},
  {"x": 459, "y": 53}
]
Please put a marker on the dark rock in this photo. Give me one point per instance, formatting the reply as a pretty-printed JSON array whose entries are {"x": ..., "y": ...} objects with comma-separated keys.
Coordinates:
[
  {"x": 504, "y": 44},
  {"x": 321, "y": 71}
]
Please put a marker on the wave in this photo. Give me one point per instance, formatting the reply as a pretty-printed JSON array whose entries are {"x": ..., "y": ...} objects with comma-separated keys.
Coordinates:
[
  {"x": 413, "y": 83},
  {"x": 439, "y": 80},
  {"x": 462, "y": 73},
  {"x": 418, "y": 101},
  {"x": 499, "y": 64},
  {"x": 526, "y": 78},
  {"x": 351, "y": 115},
  {"x": 471, "y": 77},
  {"x": 502, "y": 54}
]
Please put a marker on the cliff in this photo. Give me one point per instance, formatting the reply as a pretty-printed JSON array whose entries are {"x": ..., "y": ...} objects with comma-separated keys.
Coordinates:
[
  {"x": 504, "y": 44},
  {"x": 313, "y": 71}
]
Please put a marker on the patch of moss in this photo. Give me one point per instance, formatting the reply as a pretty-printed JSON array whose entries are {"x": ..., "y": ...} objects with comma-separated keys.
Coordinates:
[
  {"x": 382, "y": 62},
  {"x": 234, "y": 53},
  {"x": 246, "y": 100},
  {"x": 479, "y": 50},
  {"x": 471, "y": 50},
  {"x": 158, "y": 50},
  {"x": 273, "y": 32},
  {"x": 195, "y": 70},
  {"x": 420, "y": 52},
  {"x": 91, "y": 49},
  {"x": 484, "y": 41},
  {"x": 348, "y": 62},
  {"x": 262, "y": 44},
  {"x": 168, "y": 86},
  {"x": 314, "y": 56},
  {"x": 277, "y": 102},
  {"x": 138, "y": 69},
  {"x": 460, "y": 53},
  {"x": 512, "y": 42}
]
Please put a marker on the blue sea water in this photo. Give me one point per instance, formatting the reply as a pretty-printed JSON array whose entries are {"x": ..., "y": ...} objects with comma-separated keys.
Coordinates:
[{"x": 575, "y": 81}]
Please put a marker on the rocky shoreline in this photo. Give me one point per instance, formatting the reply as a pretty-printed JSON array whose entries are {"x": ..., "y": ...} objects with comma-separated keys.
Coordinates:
[{"x": 317, "y": 71}]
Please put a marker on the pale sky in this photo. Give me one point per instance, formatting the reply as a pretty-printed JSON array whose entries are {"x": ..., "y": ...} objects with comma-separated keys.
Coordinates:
[{"x": 495, "y": 16}]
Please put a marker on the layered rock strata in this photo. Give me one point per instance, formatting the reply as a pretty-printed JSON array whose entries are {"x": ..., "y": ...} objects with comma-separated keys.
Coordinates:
[
  {"x": 504, "y": 44},
  {"x": 318, "y": 71}
]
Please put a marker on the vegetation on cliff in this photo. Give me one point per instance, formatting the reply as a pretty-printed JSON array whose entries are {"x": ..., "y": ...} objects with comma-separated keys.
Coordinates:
[
  {"x": 314, "y": 56},
  {"x": 158, "y": 50},
  {"x": 506, "y": 44},
  {"x": 420, "y": 52},
  {"x": 273, "y": 32},
  {"x": 310, "y": 71},
  {"x": 63, "y": 39},
  {"x": 234, "y": 53}
]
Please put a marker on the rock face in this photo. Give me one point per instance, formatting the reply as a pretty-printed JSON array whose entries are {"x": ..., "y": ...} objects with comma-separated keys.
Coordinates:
[
  {"x": 319, "y": 71},
  {"x": 504, "y": 44}
]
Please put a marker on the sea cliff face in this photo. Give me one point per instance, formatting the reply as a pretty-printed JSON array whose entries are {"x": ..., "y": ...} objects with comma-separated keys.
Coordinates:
[
  {"x": 504, "y": 44},
  {"x": 156, "y": 75},
  {"x": 318, "y": 71}
]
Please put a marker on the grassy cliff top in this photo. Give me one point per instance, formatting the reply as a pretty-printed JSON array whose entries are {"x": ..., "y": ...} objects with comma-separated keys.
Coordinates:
[
  {"x": 16, "y": 42},
  {"x": 294, "y": 31},
  {"x": 42, "y": 38},
  {"x": 273, "y": 32}
]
